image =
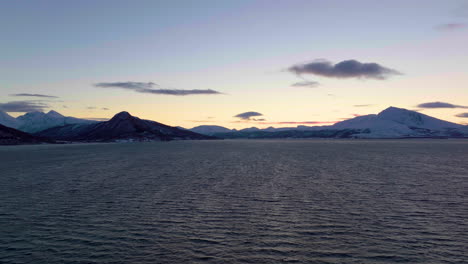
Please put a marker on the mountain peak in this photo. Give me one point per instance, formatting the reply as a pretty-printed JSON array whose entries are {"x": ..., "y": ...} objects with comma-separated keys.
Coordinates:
[
  {"x": 53, "y": 113},
  {"x": 414, "y": 119},
  {"x": 122, "y": 116},
  {"x": 393, "y": 109}
]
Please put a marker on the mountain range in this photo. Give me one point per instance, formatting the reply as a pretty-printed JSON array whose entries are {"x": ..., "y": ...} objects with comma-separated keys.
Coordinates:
[
  {"x": 36, "y": 121},
  {"x": 392, "y": 122},
  {"x": 122, "y": 127}
]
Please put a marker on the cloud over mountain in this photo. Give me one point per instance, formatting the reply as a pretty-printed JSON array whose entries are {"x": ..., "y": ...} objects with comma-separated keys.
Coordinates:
[
  {"x": 344, "y": 69},
  {"x": 249, "y": 115},
  {"x": 142, "y": 87},
  {"x": 462, "y": 115},
  {"x": 440, "y": 105},
  {"x": 24, "y": 106}
]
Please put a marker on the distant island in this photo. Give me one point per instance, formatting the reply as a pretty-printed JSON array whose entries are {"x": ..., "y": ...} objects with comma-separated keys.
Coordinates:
[{"x": 393, "y": 122}]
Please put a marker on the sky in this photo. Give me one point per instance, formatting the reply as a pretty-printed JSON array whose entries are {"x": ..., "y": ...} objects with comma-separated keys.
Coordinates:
[{"x": 235, "y": 63}]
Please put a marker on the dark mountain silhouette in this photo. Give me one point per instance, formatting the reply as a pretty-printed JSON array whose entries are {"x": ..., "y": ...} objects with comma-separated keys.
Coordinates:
[
  {"x": 122, "y": 127},
  {"x": 11, "y": 136}
]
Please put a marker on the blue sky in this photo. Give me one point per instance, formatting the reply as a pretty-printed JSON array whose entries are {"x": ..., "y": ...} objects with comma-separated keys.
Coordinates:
[{"x": 241, "y": 49}]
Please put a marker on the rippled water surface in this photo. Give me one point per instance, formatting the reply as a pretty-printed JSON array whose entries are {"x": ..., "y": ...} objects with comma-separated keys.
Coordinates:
[{"x": 297, "y": 201}]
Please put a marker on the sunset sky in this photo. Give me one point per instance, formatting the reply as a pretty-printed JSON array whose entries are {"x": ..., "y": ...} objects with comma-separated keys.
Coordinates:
[{"x": 188, "y": 63}]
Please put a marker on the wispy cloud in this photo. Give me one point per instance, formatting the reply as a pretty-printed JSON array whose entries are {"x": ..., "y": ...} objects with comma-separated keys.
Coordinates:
[
  {"x": 440, "y": 105},
  {"x": 24, "y": 106},
  {"x": 298, "y": 123},
  {"x": 344, "y": 69},
  {"x": 451, "y": 26},
  {"x": 179, "y": 92},
  {"x": 91, "y": 107},
  {"x": 105, "y": 108},
  {"x": 308, "y": 84},
  {"x": 33, "y": 95},
  {"x": 142, "y": 87},
  {"x": 249, "y": 115},
  {"x": 126, "y": 85},
  {"x": 462, "y": 115},
  {"x": 363, "y": 105}
]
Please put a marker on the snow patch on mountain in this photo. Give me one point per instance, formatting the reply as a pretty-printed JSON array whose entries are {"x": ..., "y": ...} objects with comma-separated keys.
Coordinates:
[
  {"x": 8, "y": 121},
  {"x": 37, "y": 121}
]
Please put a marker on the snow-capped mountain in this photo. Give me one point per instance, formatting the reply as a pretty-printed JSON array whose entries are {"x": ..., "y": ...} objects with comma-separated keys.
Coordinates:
[
  {"x": 37, "y": 121},
  {"x": 415, "y": 119},
  {"x": 7, "y": 120},
  {"x": 396, "y": 122},
  {"x": 392, "y": 122}
]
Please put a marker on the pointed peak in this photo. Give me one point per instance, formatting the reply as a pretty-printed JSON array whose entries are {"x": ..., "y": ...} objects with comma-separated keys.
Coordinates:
[
  {"x": 122, "y": 115},
  {"x": 394, "y": 110},
  {"x": 54, "y": 114}
]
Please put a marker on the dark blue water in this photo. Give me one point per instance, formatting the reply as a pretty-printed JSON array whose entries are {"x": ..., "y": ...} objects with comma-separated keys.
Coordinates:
[{"x": 315, "y": 201}]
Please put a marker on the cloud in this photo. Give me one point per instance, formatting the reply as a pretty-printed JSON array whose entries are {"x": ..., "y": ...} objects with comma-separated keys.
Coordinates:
[
  {"x": 309, "y": 84},
  {"x": 105, "y": 108},
  {"x": 440, "y": 105},
  {"x": 344, "y": 69},
  {"x": 462, "y": 115},
  {"x": 126, "y": 85},
  {"x": 298, "y": 122},
  {"x": 451, "y": 26},
  {"x": 248, "y": 115},
  {"x": 33, "y": 95},
  {"x": 64, "y": 106},
  {"x": 142, "y": 87},
  {"x": 363, "y": 105},
  {"x": 91, "y": 107},
  {"x": 24, "y": 106},
  {"x": 178, "y": 92}
]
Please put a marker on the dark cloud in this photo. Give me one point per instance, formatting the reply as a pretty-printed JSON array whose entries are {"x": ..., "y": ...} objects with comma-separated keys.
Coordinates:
[
  {"x": 452, "y": 26},
  {"x": 127, "y": 85},
  {"x": 363, "y": 105},
  {"x": 462, "y": 115},
  {"x": 178, "y": 91},
  {"x": 24, "y": 106},
  {"x": 440, "y": 105},
  {"x": 248, "y": 115},
  {"x": 142, "y": 87},
  {"x": 33, "y": 95},
  {"x": 344, "y": 69},
  {"x": 309, "y": 84}
]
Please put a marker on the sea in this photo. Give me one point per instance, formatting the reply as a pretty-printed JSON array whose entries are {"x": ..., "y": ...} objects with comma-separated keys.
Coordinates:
[{"x": 236, "y": 201}]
